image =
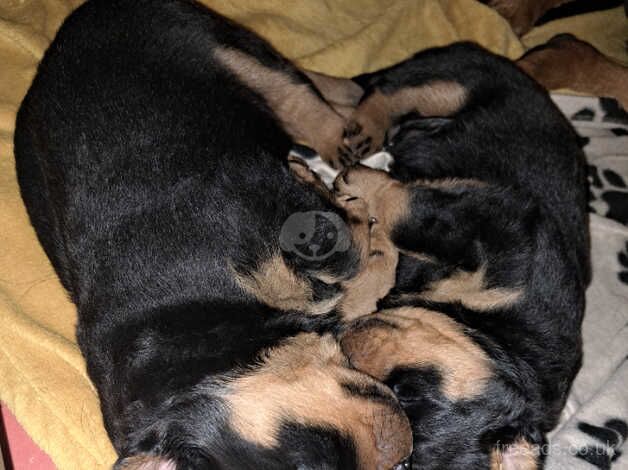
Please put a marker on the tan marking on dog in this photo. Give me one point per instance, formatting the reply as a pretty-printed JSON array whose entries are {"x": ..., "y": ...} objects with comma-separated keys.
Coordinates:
[
  {"x": 357, "y": 214},
  {"x": 328, "y": 278},
  {"x": 374, "y": 281},
  {"x": 342, "y": 94},
  {"x": 449, "y": 183},
  {"x": 303, "y": 114},
  {"x": 520, "y": 455},
  {"x": 277, "y": 286},
  {"x": 423, "y": 257},
  {"x": 300, "y": 382},
  {"x": 388, "y": 203},
  {"x": 388, "y": 200},
  {"x": 378, "y": 260},
  {"x": 378, "y": 111},
  {"x": 568, "y": 62},
  {"x": 336, "y": 90},
  {"x": 418, "y": 338},
  {"x": 438, "y": 98},
  {"x": 469, "y": 289}
]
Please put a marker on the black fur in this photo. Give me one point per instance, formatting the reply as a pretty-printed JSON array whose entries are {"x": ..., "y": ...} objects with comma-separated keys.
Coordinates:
[
  {"x": 527, "y": 225},
  {"x": 150, "y": 174}
]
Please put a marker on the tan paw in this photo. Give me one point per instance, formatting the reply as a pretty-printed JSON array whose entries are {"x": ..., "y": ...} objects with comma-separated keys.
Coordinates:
[
  {"x": 362, "y": 182},
  {"x": 361, "y": 138}
]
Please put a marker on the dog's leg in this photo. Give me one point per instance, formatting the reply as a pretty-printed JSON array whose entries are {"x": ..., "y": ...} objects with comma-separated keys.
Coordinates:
[
  {"x": 385, "y": 200},
  {"x": 303, "y": 113},
  {"x": 523, "y": 14},
  {"x": 341, "y": 93},
  {"x": 374, "y": 281},
  {"x": 366, "y": 129},
  {"x": 567, "y": 62},
  {"x": 357, "y": 215}
]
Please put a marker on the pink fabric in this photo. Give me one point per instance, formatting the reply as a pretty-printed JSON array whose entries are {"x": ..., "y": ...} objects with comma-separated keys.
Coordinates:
[{"x": 23, "y": 452}]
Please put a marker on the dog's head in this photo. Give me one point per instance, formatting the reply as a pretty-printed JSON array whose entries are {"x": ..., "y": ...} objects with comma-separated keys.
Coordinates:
[
  {"x": 462, "y": 416},
  {"x": 301, "y": 407}
]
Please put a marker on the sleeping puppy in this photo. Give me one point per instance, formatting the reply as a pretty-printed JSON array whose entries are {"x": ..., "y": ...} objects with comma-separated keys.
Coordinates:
[
  {"x": 567, "y": 62},
  {"x": 151, "y": 151},
  {"x": 485, "y": 211},
  {"x": 525, "y": 14}
]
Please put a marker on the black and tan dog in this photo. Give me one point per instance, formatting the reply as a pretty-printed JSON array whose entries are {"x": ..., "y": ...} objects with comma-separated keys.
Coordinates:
[
  {"x": 151, "y": 153},
  {"x": 485, "y": 211}
]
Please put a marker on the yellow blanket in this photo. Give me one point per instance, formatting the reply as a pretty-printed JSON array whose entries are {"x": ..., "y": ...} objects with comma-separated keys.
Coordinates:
[{"x": 42, "y": 374}]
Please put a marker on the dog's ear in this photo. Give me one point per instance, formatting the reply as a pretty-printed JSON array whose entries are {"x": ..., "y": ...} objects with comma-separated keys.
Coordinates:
[
  {"x": 518, "y": 455},
  {"x": 144, "y": 462}
]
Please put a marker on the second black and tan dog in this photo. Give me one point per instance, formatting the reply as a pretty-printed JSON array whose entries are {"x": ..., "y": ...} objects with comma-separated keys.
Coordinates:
[{"x": 486, "y": 221}]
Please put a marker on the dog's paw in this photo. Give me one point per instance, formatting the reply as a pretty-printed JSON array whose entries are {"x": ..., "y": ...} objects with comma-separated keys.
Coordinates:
[
  {"x": 363, "y": 182},
  {"x": 361, "y": 137},
  {"x": 337, "y": 154}
]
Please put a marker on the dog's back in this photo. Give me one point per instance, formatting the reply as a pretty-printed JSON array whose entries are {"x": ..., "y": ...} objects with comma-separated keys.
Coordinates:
[
  {"x": 507, "y": 132},
  {"x": 132, "y": 130}
]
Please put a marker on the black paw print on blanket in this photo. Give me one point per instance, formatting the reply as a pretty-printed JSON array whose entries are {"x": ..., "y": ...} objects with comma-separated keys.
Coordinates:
[
  {"x": 610, "y": 437},
  {"x": 610, "y": 187},
  {"x": 608, "y": 110},
  {"x": 622, "y": 257}
]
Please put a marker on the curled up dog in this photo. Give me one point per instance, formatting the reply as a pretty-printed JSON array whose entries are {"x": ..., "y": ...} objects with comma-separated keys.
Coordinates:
[
  {"x": 151, "y": 154},
  {"x": 485, "y": 211}
]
